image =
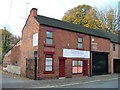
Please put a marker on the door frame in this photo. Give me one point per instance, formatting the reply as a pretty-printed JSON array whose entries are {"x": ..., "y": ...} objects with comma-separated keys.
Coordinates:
[
  {"x": 85, "y": 74},
  {"x": 114, "y": 68},
  {"x": 61, "y": 59},
  {"x": 93, "y": 61}
]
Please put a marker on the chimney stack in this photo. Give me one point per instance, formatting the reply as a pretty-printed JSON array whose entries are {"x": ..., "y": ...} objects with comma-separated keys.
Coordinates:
[{"x": 33, "y": 12}]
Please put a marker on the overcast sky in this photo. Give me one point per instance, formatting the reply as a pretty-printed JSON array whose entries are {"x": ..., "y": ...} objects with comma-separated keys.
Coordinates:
[{"x": 14, "y": 12}]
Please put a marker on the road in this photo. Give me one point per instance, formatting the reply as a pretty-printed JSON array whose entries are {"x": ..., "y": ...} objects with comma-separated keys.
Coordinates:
[
  {"x": 96, "y": 84},
  {"x": 110, "y": 81}
]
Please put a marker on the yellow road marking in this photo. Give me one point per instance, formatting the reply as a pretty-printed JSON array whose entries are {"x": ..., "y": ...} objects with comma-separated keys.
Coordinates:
[{"x": 73, "y": 83}]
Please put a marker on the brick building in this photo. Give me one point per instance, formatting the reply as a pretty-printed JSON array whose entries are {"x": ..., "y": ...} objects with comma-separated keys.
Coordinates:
[
  {"x": 51, "y": 48},
  {"x": 13, "y": 56}
]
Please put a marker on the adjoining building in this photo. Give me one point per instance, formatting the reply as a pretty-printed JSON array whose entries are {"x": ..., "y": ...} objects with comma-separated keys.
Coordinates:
[{"x": 52, "y": 48}]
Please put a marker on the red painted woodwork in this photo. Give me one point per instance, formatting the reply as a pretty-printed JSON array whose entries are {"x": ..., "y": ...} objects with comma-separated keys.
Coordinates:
[
  {"x": 53, "y": 46},
  {"x": 61, "y": 68},
  {"x": 85, "y": 67},
  {"x": 46, "y": 52},
  {"x": 62, "y": 58}
]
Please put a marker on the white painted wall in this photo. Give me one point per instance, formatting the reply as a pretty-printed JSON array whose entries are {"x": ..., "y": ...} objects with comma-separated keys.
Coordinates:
[{"x": 13, "y": 69}]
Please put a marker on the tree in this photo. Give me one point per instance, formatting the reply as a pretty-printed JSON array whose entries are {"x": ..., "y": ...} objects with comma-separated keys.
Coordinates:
[
  {"x": 84, "y": 15},
  {"x": 110, "y": 19},
  {"x": 88, "y": 16},
  {"x": 8, "y": 41}
]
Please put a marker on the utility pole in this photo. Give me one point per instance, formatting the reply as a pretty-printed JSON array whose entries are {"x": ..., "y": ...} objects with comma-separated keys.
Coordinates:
[
  {"x": 27, "y": 3},
  {"x": 26, "y": 8}
]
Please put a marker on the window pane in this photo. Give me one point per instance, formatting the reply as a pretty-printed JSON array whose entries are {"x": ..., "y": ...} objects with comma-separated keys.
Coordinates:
[
  {"x": 49, "y": 34},
  {"x": 49, "y": 41},
  {"x": 74, "y": 63},
  {"x": 48, "y": 62},
  {"x": 49, "y": 56},
  {"x": 48, "y": 68},
  {"x": 48, "y": 59},
  {"x": 80, "y": 63},
  {"x": 79, "y": 45},
  {"x": 79, "y": 39},
  {"x": 74, "y": 70},
  {"x": 80, "y": 69}
]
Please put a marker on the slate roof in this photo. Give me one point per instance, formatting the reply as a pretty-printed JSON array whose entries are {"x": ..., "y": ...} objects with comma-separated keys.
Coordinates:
[{"x": 43, "y": 20}]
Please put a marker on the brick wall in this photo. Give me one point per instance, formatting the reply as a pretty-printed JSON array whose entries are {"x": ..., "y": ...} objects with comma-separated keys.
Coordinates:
[
  {"x": 6, "y": 59},
  {"x": 62, "y": 39},
  {"x": 113, "y": 55},
  {"x": 100, "y": 44},
  {"x": 27, "y": 48},
  {"x": 15, "y": 55}
]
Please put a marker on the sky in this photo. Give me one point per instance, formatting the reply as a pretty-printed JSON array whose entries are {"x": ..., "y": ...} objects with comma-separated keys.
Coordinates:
[{"x": 15, "y": 12}]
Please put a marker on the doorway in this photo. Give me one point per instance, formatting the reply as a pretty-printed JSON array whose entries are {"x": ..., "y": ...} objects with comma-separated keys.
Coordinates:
[
  {"x": 61, "y": 68},
  {"x": 99, "y": 63},
  {"x": 85, "y": 68},
  {"x": 116, "y": 65}
]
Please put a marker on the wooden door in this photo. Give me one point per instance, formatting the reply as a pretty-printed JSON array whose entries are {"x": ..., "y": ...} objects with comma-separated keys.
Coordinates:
[
  {"x": 116, "y": 65},
  {"x": 85, "y": 68},
  {"x": 61, "y": 68}
]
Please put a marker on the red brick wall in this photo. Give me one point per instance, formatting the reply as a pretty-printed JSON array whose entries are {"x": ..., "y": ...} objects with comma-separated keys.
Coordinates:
[
  {"x": 100, "y": 44},
  {"x": 12, "y": 56},
  {"x": 27, "y": 48},
  {"x": 113, "y": 55},
  {"x": 15, "y": 55},
  {"x": 6, "y": 59},
  {"x": 61, "y": 40}
]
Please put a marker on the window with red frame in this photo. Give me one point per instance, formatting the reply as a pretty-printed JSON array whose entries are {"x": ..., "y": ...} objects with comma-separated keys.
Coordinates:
[
  {"x": 80, "y": 42},
  {"x": 77, "y": 66},
  {"x": 49, "y": 38},
  {"x": 48, "y": 62}
]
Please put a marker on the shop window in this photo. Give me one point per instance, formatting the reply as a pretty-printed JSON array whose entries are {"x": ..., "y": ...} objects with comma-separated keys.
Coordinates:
[
  {"x": 80, "y": 42},
  {"x": 77, "y": 66},
  {"x": 49, "y": 63},
  {"x": 113, "y": 47},
  {"x": 49, "y": 38}
]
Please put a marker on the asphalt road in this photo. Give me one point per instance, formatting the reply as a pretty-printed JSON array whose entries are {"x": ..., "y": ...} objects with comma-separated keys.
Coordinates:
[
  {"x": 96, "y": 84},
  {"x": 108, "y": 81}
]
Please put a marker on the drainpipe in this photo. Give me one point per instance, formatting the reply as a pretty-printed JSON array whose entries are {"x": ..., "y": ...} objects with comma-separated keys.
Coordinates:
[{"x": 90, "y": 63}]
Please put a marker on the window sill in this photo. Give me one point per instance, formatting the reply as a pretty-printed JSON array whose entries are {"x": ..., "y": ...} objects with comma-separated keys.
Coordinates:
[
  {"x": 80, "y": 49},
  {"x": 76, "y": 73},
  {"x": 48, "y": 72},
  {"x": 53, "y": 46}
]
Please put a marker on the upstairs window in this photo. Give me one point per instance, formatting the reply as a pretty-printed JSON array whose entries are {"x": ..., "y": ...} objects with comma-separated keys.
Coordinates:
[
  {"x": 113, "y": 47},
  {"x": 49, "y": 38},
  {"x": 80, "y": 42}
]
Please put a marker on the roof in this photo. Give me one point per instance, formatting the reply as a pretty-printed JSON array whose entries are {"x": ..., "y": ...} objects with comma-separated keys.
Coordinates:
[{"x": 43, "y": 20}]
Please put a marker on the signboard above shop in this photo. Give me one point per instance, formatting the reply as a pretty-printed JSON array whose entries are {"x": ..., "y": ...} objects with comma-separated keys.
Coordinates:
[{"x": 72, "y": 53}]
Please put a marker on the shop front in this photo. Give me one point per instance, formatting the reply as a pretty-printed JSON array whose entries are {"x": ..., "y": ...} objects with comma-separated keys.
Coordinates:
[{"x": 76, "y": 60}]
